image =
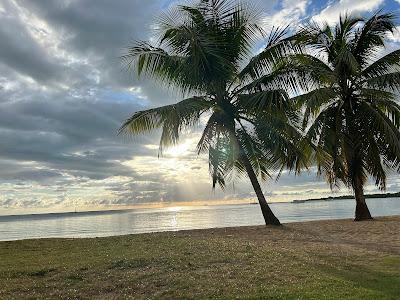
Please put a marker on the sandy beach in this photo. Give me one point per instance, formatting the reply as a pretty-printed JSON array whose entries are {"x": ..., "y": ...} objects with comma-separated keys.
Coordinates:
[{"x": 338, "y": 259}]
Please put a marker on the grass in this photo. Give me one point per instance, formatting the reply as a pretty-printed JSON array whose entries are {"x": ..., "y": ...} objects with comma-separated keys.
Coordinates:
[{"x": 312, "y": 260}]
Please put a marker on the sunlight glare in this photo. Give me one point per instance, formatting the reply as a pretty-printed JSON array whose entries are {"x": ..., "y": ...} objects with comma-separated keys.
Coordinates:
[
  {"x": 178, "y": 150},
  {"x": 174, "y": 209}
]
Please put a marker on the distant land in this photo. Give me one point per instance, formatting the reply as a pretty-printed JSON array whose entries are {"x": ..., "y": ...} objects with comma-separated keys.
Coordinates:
[{"x": 385, "y": 195}]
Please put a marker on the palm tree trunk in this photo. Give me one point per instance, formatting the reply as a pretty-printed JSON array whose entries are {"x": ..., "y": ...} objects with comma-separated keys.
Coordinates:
[
  {"x": 362, "y": 211},
  {"x": 269, "y": 217}
]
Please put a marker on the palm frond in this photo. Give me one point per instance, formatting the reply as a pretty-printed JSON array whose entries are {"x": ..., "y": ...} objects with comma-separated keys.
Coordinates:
[
  {"x": 242, "y": 31},
  {"x": 314, "y": 36},
  {"x": 260, "y": 102},
  {"x": 388, "y": 82},
  {"x": 285, "y": 76},
  {"x": 386, "y": 64},
  {"x": 345, "y": 63},
  {"x": 312, "y": 67},
  {"x": 314, "y": 101},
  {"x": 374, "y": 164},
  {"x": 215, "y": 126},
  {"x": 172, "y": 119},
  {"x": 382, "y": 124},
  {"x": 159, "y": 64},
  {"x": 370, "y": 37},
  {"x": 284, "y": 144},
  {"x": 344, "y": 28},
  {"x": 216, "y": 161},
  {"x": 255, "y": 152},
  {"x": 277, "y": 47}
]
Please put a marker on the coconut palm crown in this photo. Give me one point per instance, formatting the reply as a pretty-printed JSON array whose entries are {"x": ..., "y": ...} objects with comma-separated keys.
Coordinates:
[
  {"x": 204, "y": 51},
  {"x": 352, "y": 100}
]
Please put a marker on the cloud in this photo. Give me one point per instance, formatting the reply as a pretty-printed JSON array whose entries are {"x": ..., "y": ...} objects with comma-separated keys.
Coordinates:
[
  {"x": 331, "y": 13},
  {"x": 95, "y": 34},
  {"x": 396, "y": 35},
  {"x": 64, "y": 93},
  {"x": 288, "y": 12},
  {"x": 20, "y": 51}
]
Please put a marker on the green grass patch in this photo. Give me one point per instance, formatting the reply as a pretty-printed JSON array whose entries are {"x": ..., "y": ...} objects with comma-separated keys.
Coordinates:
[{"x": 252, "y": 263}]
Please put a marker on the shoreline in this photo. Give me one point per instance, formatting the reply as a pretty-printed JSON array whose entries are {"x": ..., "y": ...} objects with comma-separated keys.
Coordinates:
[{"x": 211, "y": 229}]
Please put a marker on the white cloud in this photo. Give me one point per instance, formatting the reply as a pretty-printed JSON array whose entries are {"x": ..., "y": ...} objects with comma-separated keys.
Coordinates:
[
  {"x": 396, "y": 35},
  {"x": 291, "y": 12},
  {"x": 332, "y": 12}
]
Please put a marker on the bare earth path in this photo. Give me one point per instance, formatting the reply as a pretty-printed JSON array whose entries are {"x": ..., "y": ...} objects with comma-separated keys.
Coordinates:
[{"x": 338, "y": 259}]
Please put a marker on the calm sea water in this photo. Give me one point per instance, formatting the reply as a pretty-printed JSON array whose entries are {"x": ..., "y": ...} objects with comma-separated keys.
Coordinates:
[{"x": 95, "y": 224}]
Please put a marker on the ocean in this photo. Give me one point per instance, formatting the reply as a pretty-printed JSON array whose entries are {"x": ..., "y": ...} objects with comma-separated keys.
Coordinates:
[{"x": 109, "y": 223}]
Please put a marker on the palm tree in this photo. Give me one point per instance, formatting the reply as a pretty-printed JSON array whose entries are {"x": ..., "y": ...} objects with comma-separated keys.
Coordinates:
[
  {"x": 351, "y": 97},
  {"x": 202, "y": 52}
]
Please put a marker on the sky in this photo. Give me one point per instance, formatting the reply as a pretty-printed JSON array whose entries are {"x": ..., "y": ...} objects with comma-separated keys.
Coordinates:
[{"x": 64, "y": 93}]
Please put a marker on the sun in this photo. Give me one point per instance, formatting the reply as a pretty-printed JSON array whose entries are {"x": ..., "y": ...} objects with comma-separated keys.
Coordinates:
[{"x": 178, "y": 150}]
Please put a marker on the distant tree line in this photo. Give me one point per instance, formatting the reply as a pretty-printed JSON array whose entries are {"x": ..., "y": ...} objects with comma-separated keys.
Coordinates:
[{"x": 367, "y": 196}]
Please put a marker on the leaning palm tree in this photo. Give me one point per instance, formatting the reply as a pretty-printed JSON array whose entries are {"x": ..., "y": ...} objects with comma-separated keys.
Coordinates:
[
  {"x": 352, "y": 100},
  {"x": 204, "y": 52}
]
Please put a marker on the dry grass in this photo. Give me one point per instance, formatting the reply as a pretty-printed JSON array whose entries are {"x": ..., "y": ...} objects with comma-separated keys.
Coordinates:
[{"x": 312, "y": 260}]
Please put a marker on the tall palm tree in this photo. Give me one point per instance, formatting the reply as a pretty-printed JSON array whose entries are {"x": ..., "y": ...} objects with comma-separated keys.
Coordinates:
[
  {"x": 204, "y": 51},
  {"x": 352, "y": 100}
]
